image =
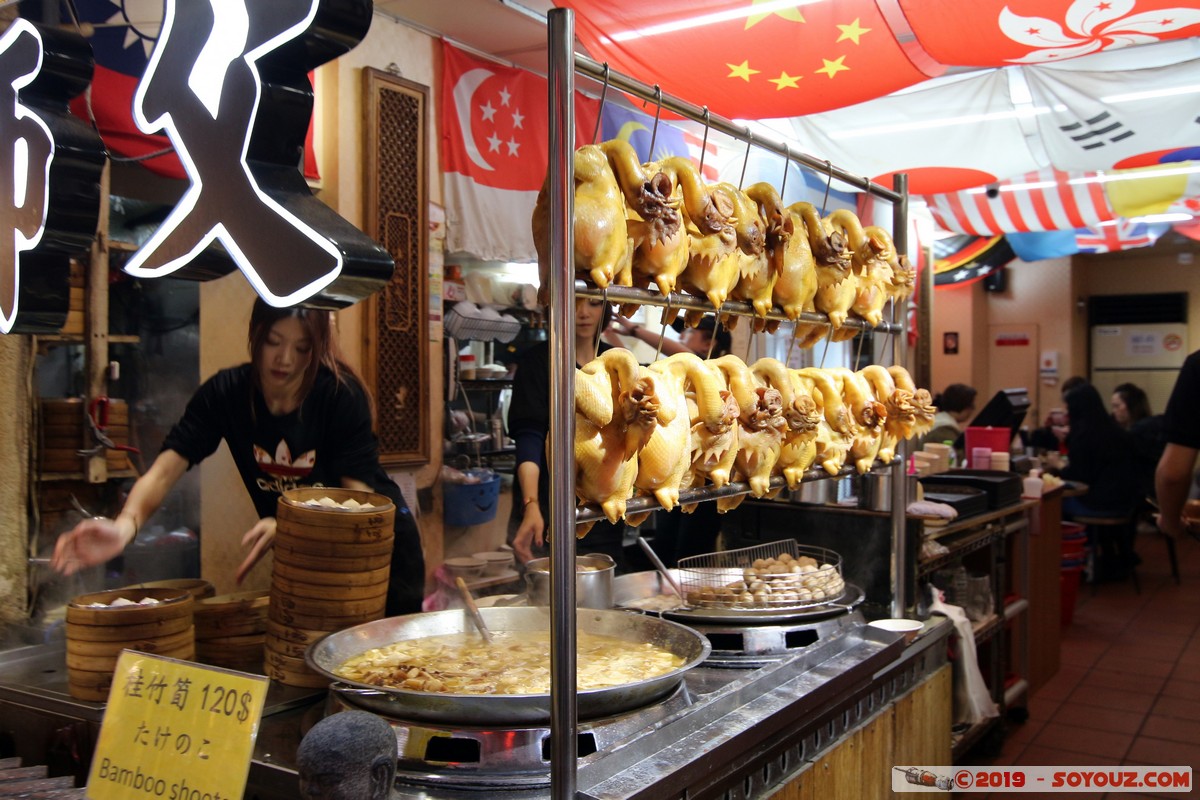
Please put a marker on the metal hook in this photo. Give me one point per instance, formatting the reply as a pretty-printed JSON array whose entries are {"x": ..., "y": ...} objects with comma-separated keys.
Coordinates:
[
  {"x": 600, "y": 334},
  {"x": 787, "y": 162},
  {"x": 600, "y": 112},
  {"x": 858, "y": 349},
  {"x": 828, "y": 183},
  {"x": 712, "y": 343},
  {"x": 828, "y": 339},
  {"x": 792, "y": 343},
  {"x": 746, "y": 160},
  {"x": 662, "y": 332},
  {"x": 657, "y": 114},
  {"x": 704, "y": 141}
]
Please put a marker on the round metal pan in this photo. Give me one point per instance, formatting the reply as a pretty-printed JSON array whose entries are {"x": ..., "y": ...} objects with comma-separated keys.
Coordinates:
[{"x": 333, "y": 650}]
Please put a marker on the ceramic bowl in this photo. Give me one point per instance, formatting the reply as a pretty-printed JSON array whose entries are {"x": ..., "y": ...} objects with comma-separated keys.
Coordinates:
[
  {"x": 909, "y": 627},
  {"x": 464, "y": 567}
]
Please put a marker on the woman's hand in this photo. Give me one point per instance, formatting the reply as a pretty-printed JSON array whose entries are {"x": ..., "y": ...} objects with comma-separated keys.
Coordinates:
[
  {"x": 93, "y": 541},
  {"x": 259, "y": 539},
  {"x": 531, "y": 530}
]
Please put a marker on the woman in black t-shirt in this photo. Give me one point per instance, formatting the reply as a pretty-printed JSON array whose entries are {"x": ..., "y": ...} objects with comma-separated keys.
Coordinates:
[{"x": 296, "y": 415}]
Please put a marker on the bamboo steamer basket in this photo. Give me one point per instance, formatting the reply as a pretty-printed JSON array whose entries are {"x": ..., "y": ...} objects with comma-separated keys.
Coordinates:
[
  {"x": 311, "y": 606},
  {"x": 329, "y": 572},
  {"x": 95, "y": 637},
  {"x": 325, "y": 578},
  {"x": 333, "y": 564},
  {"x": 231, "y": 630},
  {"x": 325, "y": 592},
  {"x": 237, "y": 614},
  {"x": 198, "y": 588}
]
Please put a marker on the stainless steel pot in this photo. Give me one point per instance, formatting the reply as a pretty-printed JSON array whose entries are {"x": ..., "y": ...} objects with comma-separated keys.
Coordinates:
[
  {"x": 593, "y": 587},
  {"x": 513, "y": 709}
]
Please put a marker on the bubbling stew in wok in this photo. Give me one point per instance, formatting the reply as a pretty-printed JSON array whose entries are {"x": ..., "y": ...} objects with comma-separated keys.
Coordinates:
[{"x": 513, "y": 663}]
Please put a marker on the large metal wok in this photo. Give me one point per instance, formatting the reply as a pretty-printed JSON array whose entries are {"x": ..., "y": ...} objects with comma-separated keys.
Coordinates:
[{"x": 332, "y": 651}]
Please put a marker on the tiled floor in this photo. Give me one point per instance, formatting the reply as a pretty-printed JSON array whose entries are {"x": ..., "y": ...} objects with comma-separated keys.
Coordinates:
[{"x": 1128, "y": 690}]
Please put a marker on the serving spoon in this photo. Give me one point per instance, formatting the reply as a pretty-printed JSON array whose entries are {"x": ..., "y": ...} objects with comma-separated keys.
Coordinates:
[{"x": 476, "y": 617}]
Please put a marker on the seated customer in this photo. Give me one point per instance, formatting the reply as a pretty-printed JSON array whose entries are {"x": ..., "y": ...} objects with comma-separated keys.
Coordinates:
[
  {"x": 955, "y": 406},
  {"x": 1099, "y": 456},
  {"x": 1052, "y": 436},
  {"x": 1131, "y": 410}
]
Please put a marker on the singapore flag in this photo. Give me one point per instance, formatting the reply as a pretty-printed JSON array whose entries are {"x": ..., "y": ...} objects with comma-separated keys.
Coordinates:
[{"x": 495, "y": 152}]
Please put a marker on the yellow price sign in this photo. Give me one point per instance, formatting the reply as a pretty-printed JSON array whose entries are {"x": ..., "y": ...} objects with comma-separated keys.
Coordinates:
[{"x": 176, "y": 730}]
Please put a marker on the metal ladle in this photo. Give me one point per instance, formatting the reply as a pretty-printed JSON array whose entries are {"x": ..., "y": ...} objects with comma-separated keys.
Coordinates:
[
  {"x": 476, "y": 617},
  {"x": 660, "y": 566}
]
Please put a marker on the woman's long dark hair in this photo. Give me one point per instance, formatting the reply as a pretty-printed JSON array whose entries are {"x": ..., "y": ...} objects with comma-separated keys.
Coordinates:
[
  {"x": 1088, "y": 416},
  {"x": 317, "y": 327}
]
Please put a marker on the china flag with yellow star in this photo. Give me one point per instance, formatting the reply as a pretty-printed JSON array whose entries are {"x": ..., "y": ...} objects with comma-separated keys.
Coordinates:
[{"x": 752, "y": 59}]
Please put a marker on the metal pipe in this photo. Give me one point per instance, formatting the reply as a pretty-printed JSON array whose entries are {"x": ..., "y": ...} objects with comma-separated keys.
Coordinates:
[
  {"x": 564, "y": 713},
  {"x": 676, "y": 300},
  {"x": 900, "y": 543},
  {"x": 594, "y": 69}
]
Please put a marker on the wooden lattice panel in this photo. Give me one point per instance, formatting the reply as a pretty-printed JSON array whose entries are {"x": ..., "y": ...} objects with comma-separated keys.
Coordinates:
[{"x": 396, "y": 349}]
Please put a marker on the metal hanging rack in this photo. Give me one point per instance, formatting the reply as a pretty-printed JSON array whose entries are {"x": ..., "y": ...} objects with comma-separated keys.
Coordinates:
[{"x": 563, "y": 64}]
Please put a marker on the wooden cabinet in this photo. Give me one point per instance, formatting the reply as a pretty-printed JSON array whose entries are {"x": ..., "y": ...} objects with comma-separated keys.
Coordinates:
[
  {"x": 1045, "y": 591},
  {"x": 913, "y": 731}
]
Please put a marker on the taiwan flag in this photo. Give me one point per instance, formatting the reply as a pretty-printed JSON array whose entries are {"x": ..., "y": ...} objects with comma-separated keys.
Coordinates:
[
  {"x": 122, "y": 35},
  {"x": 495, "y": 152}
]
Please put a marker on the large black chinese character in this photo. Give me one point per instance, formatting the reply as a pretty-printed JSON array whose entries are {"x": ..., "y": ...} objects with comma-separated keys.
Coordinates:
[
  {"x": 230, "y": 88},
  {"x": 50, "y": 165}
]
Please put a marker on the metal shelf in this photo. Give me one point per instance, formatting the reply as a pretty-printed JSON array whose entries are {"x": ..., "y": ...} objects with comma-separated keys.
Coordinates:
[{"x": 678, "y": 300}]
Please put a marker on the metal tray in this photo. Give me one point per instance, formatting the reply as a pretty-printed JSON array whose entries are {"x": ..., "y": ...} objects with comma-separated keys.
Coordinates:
[{"x": 848, "y": 600}]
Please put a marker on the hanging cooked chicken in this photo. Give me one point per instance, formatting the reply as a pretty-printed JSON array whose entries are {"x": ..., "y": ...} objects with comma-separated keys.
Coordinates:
[
  {"x": 798, "y": 450},
  {"x": 837, "y": 429},
  {"x": 904, "y": 274},
  {"x": 871, "y": 262},
  {"x": 616, "y": 413},
  {"x": 869, "y": 415},
  {"x": 761, "y": 273},
  {"x": 666, "y": 457},
  {"x": 714, "y": 260},
  {"x": 837, "y": 285},
  {"x": 712, "y": 451},
  {"x": 922, "y": 401},
  {"x": 761, "y": 428},
  {"x": 901, "y": 413},
  {"x": 796, "y": 287},
  {"x": 602, "y": 245}
]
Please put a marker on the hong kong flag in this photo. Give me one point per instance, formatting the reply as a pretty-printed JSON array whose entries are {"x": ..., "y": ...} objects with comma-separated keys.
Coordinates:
[
  {"x": 122, "y": 34},
  {"x": 495, "y": 150}
]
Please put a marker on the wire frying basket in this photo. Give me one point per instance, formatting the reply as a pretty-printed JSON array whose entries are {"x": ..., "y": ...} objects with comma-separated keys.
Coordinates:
[{"x": 777, "y": 575}]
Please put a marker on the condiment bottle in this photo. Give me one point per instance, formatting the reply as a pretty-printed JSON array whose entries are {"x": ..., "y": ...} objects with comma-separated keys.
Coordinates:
[{"x": 1032, "y": 486}]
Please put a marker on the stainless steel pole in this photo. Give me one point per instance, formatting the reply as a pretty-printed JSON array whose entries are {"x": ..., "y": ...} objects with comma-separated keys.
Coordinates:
[
  {"x": 561, "y": 456},
  {"x": 900, "y": 543}
]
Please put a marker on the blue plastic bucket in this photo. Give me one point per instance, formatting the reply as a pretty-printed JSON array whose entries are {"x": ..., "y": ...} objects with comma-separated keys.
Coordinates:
[{"x": 471, "y": 503}]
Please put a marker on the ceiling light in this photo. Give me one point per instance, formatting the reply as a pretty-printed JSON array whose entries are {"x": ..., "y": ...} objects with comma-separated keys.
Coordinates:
[
  {"x": 1134, "y": 175},
  {"x": 1151, "y": 94},
  {"x": 710, "y": 19},
  {"x": 1177, "y": 216}
]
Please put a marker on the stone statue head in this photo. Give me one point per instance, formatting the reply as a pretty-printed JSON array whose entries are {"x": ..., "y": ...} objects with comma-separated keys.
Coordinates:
[{"x": 350, "y": 755}]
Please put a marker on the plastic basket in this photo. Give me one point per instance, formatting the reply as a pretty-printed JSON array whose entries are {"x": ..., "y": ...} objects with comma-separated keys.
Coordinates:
[
  {"x": 997, "y": 440},
  {"x": 471, "y": 503},
  {"x": 463, "y": 327},
  {"x": 1074, "y": 549},
  {"x": 770, "y": 576}
]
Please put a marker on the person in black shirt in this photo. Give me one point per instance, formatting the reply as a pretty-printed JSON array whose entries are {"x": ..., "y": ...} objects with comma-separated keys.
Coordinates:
[
  {"x": 1177, "y": 466},
  {"x": 296, "y": 415},
  {"x": 529, "y": 426}
]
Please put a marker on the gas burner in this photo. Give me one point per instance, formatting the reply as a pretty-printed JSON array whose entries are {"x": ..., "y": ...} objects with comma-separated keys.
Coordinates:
[
  {"x": 750, "y": 646},
  {"x": 470, "y": 757}
]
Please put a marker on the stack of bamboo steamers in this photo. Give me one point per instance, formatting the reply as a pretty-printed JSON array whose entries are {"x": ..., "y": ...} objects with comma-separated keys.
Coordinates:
[{"x": 332, "y": 558}]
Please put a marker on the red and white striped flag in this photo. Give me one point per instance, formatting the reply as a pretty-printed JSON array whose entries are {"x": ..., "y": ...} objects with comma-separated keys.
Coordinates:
[{"x": 1048, "y": 200}]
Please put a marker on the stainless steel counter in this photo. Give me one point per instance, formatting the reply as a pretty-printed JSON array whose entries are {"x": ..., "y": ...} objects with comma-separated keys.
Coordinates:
[{"x": 736, "y": 731}]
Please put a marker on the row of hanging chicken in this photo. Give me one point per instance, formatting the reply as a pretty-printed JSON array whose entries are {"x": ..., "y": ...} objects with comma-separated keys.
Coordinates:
[
  {"x": 684, "y": 422},
  {"x": 658, "y": 222}
]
